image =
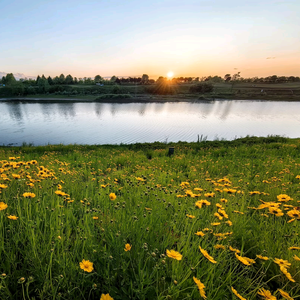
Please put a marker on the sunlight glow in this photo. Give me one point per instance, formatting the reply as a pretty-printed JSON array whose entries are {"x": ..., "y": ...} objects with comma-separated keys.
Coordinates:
[{"x": 170, "y": 74}]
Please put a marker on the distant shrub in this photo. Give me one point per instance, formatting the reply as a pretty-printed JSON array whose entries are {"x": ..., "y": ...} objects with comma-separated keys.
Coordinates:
[
  {"x": 114, "y": 96},
  {"x": 162, "y": 88},
  {"x": 202, "y": 87}
]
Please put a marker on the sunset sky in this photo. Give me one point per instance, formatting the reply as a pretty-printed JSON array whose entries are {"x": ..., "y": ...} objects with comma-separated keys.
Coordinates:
[{"x": 130, "y": 38}]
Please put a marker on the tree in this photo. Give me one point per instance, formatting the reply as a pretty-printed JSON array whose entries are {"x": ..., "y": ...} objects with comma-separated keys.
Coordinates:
[
  {"x": 61, "y": 78},
  {"x": 69, "y": 79},
  {"x": 113, "y": 78},
  {"x": 227, "y": 77},
  {"x": 50, "y": 81},
  {"x": 43, "y": 85},
  {"x": 10, "y": 79},
  {"x": 145, "y": 79},
  {"x": 98, "y": 78}
]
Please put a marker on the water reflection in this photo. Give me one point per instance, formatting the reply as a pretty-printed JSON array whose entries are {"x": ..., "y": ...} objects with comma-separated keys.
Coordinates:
[{"x": 105, "y": 123}]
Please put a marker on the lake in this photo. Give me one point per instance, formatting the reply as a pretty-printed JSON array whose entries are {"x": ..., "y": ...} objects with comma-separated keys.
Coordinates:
[{"x": 115, "y": 123}]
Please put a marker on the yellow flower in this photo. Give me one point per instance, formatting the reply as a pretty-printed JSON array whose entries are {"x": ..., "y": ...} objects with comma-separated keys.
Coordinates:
[
  {"x": 285, "y": 295},
  {"x": 220, "y": 247},
  {"x": 106, "y": 297},
  {"x": 29, "y": 195},
  {"x": 234, "y": 250},
  {"x": 201, "y": 287},
  {"x": 95, "y": 218},
  {"x": 294, "y": 248},
  {"x": 86, "y": 266},
  {"x": 282, "y": 263},
  {"x": 127, "y": 247},
  {"x": 112, "y": 196},
  {"x": 284, "y": 198},
  {"x": 267, "y": 294},
  {"x": 3, "y": 206},
  {"x": 3, "y": 186},
  {"x": 287, "y": 274},
  {"x": 201, "y": 203},
  {"x": 190, "y": 216},
  {"x": 210, "y": 258},
  {"x": 237, "y": 294},
  {"x": 200, "y": 233},
  {"x": 174, "y": 254},
  {"x": 294, "y": 213},
  {"x": 12, "y": 217},
  {"x": 262, "y": 257},
  {"x": 295, "y": 257},
  {"x": 245, "y": 260}
]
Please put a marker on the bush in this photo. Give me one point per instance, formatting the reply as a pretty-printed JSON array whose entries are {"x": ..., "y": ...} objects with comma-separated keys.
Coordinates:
[
  {"x": 162, "y": 88},
  {"x": 202, "y": 87}
]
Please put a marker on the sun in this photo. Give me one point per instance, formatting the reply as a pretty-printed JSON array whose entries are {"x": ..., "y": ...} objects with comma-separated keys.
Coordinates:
[{"x": 170, "y": 74}]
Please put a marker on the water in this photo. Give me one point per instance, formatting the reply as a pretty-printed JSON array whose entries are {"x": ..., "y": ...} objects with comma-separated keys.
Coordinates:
[{"x": 115, "y": 123}]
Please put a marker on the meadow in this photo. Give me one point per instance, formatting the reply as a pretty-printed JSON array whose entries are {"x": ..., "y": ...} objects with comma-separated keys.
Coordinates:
[{"x": 215, "y": 220}]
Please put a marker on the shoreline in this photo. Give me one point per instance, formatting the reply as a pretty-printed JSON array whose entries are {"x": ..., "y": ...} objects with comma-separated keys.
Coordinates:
[{"x": 153, "y": 99}]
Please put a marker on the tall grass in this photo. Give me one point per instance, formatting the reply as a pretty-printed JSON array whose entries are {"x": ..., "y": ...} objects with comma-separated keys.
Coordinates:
[{"x": 154, "y": 211}]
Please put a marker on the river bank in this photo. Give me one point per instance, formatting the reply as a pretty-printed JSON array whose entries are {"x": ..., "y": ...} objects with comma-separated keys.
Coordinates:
[{"x": 151, "y": 99}]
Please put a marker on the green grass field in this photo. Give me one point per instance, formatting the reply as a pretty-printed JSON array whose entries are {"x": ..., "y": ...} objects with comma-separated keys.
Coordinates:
[{"x": 216, "y": 220}]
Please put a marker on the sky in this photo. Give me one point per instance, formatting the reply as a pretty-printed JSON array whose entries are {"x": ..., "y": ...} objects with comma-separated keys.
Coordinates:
[{"x": 131, "y": 38}]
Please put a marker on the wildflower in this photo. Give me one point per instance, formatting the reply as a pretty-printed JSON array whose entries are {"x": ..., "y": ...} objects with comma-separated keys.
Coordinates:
[
  {"x": 210, "y": 258},
  {"x": 127, "y": 247},
  {"x": 282, "y": 263},
  {"x": 294, "y": 248},
  {"x": 228, "y": 222},
  {"x": 234, "y": 250},
  {"x": 287, "y": 274},
  {"x": 95, "y": 218},
  {"x": 245, "y": 260},
  {"x": 291, "y": 220},
  {"x": 209, "y": 195},
  {"x": 295, "y": 257},
  {"x": 201, "y": 287},
  {"x": 190, "y": 216},
  {"x": 200, "y": 233},
  {"x": 267, "y": 294},
  {"x": 3, "y": 206},
  {"x": 218, "y": 216},
  {"x": 223, "y": 200},
  {"x": 12, "y": 217},
  {"x": 86, "y": 266},
  {"x": 285, "y": 295},
  {"x": 284, "y": 198},
  {"x": 262, "y": 257},
  {"x": 29, "y": 195},
  {"x": 106, "y": 297},
  {"x": 222, "y": 213},
  {"x": 276, "y": 211},
  {"x": 215, "y": 224},
  {"x": 112, "y": 196},
  {"x": 219, "y": 247},
  {"x": 201, "y": 203},
  {"x": 3, "y": 186},
  {"x": 174, "y": 254},
  {"x": 237, "y": 294},
  {"x": 294, "y": 214},
  {"x": 190, "y": 194}
]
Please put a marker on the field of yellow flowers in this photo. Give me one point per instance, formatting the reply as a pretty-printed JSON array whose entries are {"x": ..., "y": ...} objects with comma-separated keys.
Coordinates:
[{"x": 215, "y": 220}]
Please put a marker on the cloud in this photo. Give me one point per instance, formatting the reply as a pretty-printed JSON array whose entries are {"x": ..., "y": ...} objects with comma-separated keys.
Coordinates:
[{"x": 271, "y": 57}]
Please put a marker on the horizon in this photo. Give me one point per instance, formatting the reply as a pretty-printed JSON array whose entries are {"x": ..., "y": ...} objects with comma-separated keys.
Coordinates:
[{"x": 257, "y": 38}]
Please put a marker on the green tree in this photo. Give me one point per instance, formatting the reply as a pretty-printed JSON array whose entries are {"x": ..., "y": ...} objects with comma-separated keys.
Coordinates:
[
  {"x": 98, "y": 78},
  {"x": 10, "y": 79},
  {"x": 50, "y": 80},
  {"x": 145, "y": 79},
  {"x": 61, "y": 78},
  {"x": 69, "y": 79},
  {"x": 43, "y": 85}
]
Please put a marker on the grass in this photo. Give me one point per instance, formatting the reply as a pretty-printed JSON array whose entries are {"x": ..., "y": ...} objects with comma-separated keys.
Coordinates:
[{"x": 154, "y": 211}]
